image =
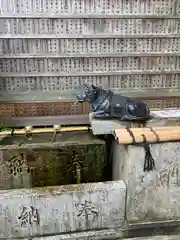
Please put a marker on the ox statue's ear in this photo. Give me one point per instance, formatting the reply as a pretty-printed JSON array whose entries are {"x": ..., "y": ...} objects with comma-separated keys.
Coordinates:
[{"x": 93, "y": 86}]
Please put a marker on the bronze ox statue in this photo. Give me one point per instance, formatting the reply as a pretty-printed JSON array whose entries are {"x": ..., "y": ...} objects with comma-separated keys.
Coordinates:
[{"x": 106, "y": 105}]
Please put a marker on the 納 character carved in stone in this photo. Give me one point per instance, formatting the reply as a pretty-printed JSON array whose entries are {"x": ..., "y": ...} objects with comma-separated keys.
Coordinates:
[{"x": 28, "y": 216}]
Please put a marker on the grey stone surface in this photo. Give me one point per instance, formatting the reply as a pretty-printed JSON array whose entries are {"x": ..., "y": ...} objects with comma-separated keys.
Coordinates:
[
  {"x": 110, "y": 234},
  {"x": 100, "y": 127},
  {"x": 103, "y": 235},
  {"x": 162, "y": 237},
  {"x": 60, "y": 210},
  {"x": 155, "y": 195},
  {"x": 160, "y": 118}
]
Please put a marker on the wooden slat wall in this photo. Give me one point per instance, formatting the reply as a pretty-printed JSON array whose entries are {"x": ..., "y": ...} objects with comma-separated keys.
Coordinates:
[{"x": 56, "y": 46}]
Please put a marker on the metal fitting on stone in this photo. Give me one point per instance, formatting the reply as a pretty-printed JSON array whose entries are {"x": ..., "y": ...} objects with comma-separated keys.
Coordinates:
[{"x": 57, "y": 127}]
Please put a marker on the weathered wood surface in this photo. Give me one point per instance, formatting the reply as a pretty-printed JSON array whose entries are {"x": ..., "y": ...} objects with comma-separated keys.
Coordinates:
[
  {"x": 36, "y": 162},
  {"x": 160, "y": 118},
  {"x": 61, "y": 210},
  {"x": 155, "y": 195}
]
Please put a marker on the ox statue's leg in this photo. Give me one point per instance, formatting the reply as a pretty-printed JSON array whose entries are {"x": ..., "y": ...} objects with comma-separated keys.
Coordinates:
[{"x": 100, "y": 114}]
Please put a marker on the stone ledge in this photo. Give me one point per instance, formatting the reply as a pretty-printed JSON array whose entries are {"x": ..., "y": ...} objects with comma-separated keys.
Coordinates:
[
  {"x": 162, "y": 237},
  {"x": 103, "y": 235},
  {"x": 170, "y": 117},
  {"x": 110, "y": 234}
]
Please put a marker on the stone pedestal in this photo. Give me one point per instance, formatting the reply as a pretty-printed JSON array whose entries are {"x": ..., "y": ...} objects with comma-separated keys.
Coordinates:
[
  {"x": 155, "y": 195},
  {"x": 151, "y": 196},
  {"x": 159, "y": 118}
]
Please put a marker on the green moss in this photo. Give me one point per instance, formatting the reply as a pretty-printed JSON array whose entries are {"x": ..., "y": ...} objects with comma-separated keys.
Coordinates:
[
  {"x": 77, "y": 158},
  {"x": 4, "y": 128}
]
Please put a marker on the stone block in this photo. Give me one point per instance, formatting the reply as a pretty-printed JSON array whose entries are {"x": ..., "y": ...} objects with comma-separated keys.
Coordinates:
[
  {"x": 103, "y": 236},
  {"x": 162, "y": 237},
  {"x": 73, "y": 157},
  {"x": 152, "y": 196},
  {"x": 155, "y": 195},
  {"x": 107, "y": 234},
  {"x": 91, "y": 209}
]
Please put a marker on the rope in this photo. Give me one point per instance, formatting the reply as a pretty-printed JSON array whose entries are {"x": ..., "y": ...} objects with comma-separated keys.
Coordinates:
[
  {"x": 131, "y": 134},
  {"x": 149, "y": 163},
  {"x": 157, "y": 137}
]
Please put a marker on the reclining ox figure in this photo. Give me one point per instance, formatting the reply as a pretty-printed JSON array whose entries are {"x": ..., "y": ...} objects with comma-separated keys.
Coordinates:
[{"x": 107, "y": 105}]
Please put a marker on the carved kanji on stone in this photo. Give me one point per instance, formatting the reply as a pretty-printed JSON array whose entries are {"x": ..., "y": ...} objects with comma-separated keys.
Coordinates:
[
  {"x": 28, "y": 216},
  {"x": 87, "y": 209}
]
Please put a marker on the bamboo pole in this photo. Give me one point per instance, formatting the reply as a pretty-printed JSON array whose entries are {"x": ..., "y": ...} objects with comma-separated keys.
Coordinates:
[
  {"x": 30, "y": 130},
  {"x": 170, "y": 128},
  {"x": 140, "y": 131},
  {"x": 160, "y": 134}
]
